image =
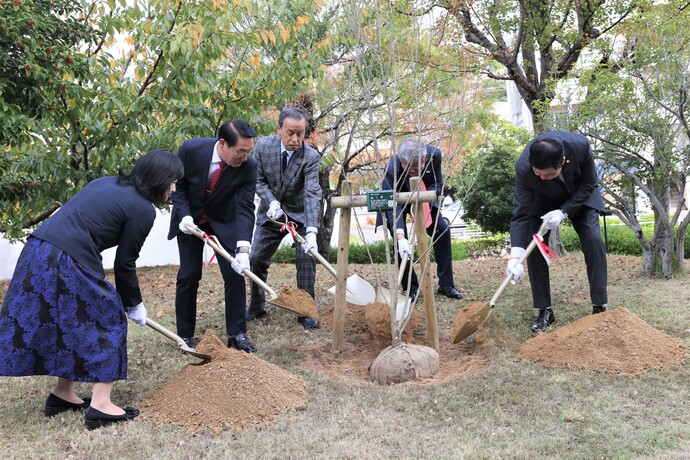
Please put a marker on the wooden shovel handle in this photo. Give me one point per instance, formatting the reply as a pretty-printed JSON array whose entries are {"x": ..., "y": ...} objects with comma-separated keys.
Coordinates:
[
  {"x": 509, "y": 278},
  {"x": 226, "y": 255}
]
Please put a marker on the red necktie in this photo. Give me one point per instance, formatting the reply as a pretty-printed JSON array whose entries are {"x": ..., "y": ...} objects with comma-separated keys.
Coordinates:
[
  {"x": 427, "y": 208},
  {"x": 215, "y": 177}
]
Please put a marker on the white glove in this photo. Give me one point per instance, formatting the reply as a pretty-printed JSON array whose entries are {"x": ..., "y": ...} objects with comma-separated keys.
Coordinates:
[
  {"x": 310, "y": 243},
  {"x": 137, "y": 314},
  {"x": 187, "y": 220},
  {"x": 514, "y": 267},
  {"x": 241, "y": 263},
  {"x": 553, "y": 219},
  {"x": 274, "y": 210},
  {"x": 404, "y": 248}
]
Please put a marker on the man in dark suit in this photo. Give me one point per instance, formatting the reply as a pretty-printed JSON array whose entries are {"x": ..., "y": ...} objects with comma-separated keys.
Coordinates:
[
  {"x": 555, "y": 178},
  {"x": 217, "y": 194},
  {"x": 288, "y": 184},
  {"x": 415, "y": 158}
]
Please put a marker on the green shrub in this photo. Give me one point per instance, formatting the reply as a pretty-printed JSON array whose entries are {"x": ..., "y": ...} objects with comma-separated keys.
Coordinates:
[
  {"x": 376, "y": 252},
  {"x": 620, "y": 239}
]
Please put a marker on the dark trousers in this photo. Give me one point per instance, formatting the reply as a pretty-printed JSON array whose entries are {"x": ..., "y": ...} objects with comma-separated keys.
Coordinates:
[
  {"x": 266, "y": 240},
  {"x": 188, "y": 277},
  {"x": 440, "y": 239},
  {"x": 586, "y": 225}
]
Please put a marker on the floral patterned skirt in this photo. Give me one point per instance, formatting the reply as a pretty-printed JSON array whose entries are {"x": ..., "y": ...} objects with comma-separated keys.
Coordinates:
[{"x": 59, "y": 319}]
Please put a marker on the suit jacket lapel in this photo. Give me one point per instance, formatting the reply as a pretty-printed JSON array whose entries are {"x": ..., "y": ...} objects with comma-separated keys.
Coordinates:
[{"x": 292, "y": 168}]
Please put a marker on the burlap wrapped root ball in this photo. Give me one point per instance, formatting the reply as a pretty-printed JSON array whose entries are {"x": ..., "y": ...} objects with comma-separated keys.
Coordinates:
[{"x": 402, "y": 363}]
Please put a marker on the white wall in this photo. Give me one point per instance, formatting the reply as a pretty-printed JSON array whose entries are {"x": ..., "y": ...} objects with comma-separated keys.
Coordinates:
[{"x": 157, "y": 250}]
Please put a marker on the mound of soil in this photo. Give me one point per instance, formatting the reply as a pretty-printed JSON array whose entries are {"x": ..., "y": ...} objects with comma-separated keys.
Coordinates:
[
  {"x": 232, "y": 391},
  {"x": 615, "y": 342},
  {"x": 378, "y": 318}
]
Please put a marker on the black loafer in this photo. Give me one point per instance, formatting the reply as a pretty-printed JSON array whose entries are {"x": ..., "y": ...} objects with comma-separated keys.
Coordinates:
[
  {"x": 190, "y": 342},
  {"x": 449, "y": 291},
  {"x": 93, "y": 418},
  {"x": 56, "y": 405},
  {"x": 308, "y": 323},
  {"x": 413, "y": 295},
  {"x": 251, "y": 315},
  {"x": 599, "y": 309},
  {"x": 241, "y": 342},
  {"x": 545, "y": 318}
]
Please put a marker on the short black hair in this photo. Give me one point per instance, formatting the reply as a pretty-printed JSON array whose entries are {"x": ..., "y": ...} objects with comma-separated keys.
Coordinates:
[
  {"x": 232, "y": 130},
  {"x": 546, "y": 153},
  {"x": 294, "y": 113},
  {"x": 152, "y": 175}
]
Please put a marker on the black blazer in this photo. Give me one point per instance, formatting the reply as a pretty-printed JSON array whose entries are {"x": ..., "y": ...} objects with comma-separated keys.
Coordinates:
[
  {"x": 229, "y": 209},
  {"x": 535, "y": 197},
  {"x": 102, "y": 215}
]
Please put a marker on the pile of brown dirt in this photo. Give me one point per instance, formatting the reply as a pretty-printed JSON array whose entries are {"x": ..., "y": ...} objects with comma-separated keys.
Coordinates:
[
  {"x": 361, "y": 347},
  {"x": 232, "y": 391},
  {"x": 615, "y": 342},
  {"x": 298, "y": 301},
  {"x": 378, "y": 318}
]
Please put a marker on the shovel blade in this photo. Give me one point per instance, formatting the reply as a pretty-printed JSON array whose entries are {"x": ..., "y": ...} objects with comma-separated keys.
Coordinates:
[
  {"x": 358, "y": 290},
  {"x": 193, "y": 352},
  {"x": 469, "y": 320}
]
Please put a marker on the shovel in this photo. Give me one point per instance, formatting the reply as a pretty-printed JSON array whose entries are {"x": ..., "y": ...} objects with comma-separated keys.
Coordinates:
[
  {"x": 470, "y": 318},
  {"x": 358, "y": 290},
  {"x": 181, "y": 345},
  {"x": 274, "y": 298}
]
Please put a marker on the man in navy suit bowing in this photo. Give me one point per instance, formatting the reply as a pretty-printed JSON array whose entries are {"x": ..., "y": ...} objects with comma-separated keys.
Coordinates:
[
  {"x": 288, "y": 184},
  {"x": 217, "y": 195},
  {"x": 555, "y": 178},
  {"x": 416, "y": 158}
]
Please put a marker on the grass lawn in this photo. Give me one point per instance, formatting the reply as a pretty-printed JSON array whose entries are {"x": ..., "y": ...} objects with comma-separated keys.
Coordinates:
[{"x": 509, "y": 409}]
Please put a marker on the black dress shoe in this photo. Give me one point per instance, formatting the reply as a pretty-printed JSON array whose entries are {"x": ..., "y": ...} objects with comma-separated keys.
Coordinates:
[
  {"x": 413, "y": 295},
  {"x": 190, "y": 342},
  {"x": 241, "y": 342},
  {"x": 251, "y": 316},
  {"x": 56, "y": 405},
  {"x": 93, "y": 418},
  {"x": 449, "y": 291},
  {"x": 308, "y": 323},
  {"x": 599, "y": 309},
  {"x": 545, "y": 318}
]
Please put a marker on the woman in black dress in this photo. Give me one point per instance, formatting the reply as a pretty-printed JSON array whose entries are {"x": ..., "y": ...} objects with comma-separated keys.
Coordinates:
[{"x": 60, "y": 317}]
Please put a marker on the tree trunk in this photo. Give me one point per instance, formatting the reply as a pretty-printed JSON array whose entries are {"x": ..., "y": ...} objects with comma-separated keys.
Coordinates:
[{"x": 647, "y": 261}]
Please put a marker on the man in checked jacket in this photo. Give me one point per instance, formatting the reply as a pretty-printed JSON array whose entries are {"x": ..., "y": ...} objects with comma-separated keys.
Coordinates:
[{"x": 288, "y": 185}]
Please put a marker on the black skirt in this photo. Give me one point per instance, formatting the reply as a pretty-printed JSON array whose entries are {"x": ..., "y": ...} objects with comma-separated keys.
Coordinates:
[{"x": 59, "y": 319}]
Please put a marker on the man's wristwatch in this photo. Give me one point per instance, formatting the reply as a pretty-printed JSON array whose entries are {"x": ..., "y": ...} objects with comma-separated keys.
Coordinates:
[{"x": 242, "y": 250}]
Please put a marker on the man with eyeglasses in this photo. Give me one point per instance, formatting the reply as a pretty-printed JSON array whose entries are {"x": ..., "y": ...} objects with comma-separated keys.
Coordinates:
[
  {"x": 216, "y": 195},
  {"x": 288, "y": 185},
  {"x": 415, "y": 158},
  {"x": 555, "y": 178}
]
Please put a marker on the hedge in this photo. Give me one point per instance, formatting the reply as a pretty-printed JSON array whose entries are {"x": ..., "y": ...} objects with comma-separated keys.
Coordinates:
[
  {"x": 359, "y": 253},
  {"x": 621, "y": 240}
]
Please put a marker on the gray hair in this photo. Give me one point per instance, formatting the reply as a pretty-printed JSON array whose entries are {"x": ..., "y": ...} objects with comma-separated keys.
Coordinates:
[{"x": 411, "y": 150}]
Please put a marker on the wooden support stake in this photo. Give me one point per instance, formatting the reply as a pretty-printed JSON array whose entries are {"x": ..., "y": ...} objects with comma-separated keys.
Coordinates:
[
  {"x": 424, "y": 265},
  {"x": 342, "y": 270}
]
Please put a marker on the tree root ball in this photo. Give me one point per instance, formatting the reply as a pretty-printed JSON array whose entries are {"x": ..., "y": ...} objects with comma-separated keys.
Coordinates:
[{"x": 402, "y": 363}]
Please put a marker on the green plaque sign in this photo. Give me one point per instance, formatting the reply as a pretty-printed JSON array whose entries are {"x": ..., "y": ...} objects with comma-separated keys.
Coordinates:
[{"x": 380, "y": 200}]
